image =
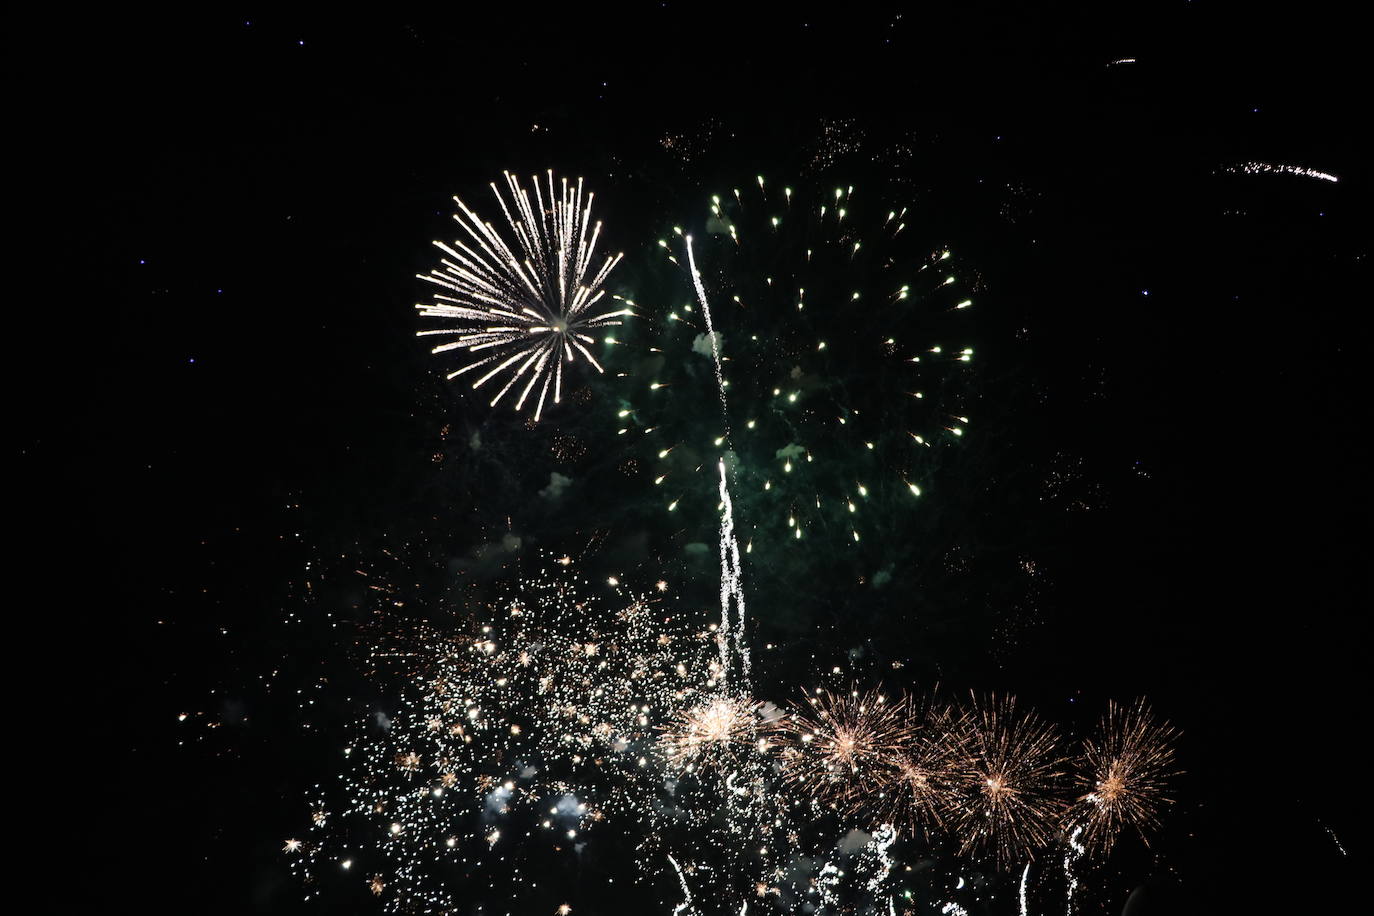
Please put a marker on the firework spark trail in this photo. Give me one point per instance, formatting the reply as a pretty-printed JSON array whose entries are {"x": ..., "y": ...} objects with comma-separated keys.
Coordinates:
[
  {"x": 531, "y": 310},
  {"x": 883, "y": 838},
  {"x": 686, "y": 903},
  {"x": 731, "y": 575},
  {"x": 1075, "y": 850},
  {"x": 1268, "y": 168},
  {"x": 710, "y": 331},
  {"x": 1025, "y": 874},
  {"x": 1335, "y": 839},
  {"x": 731, "y": 582}
]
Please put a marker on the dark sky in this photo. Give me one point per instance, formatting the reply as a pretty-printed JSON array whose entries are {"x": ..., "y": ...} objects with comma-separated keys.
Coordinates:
[{"x": 219, "y": 382}]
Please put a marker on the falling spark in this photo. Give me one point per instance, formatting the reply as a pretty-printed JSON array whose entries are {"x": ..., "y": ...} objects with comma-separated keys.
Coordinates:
[
  {"x": 686, "y": 903},
  {"x": 733, "y": 644},
  {"x": 1267, "y": 168},
  {"x": 1074, "y": 851}
]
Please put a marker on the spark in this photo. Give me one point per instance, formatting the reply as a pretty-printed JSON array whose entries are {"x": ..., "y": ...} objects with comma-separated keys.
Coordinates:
[
  {"x": 731, "y": 573},
  {"x": 686, "y": 903},
  {"x": 1074, "y": 851}
]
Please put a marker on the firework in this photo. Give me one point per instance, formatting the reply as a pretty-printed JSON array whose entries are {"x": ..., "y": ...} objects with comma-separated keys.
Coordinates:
[
  {"x": 836, "y": 746},
  {"x": 1122, "y": 775},
  {"x": 839, "y": 335},
  {"x": 919, "y": 782},
  {"x": 1008, "y": 800},
  {"x": 521, "y": 310},
  {"x": 536, "y": 718},
  {"x": 712, "y": 732}
]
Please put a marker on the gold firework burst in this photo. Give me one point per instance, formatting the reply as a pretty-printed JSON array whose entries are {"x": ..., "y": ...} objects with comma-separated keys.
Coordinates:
[
  {"x": 837, "y": 746},
  {"x": 1008, "y": 801},
  {"x": 1122, "y": 776},
  {"x": 919, "y": 783},
  {"x": 711, "y": 732}
]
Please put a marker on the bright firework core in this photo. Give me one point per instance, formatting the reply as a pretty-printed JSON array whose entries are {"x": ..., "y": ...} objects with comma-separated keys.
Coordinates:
[
  {"x": 711, "y": 732},
  {"x": 523, "y": 314}
]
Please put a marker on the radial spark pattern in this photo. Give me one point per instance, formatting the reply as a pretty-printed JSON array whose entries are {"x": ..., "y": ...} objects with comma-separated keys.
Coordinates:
[
  {"x": 836, "y": 746},
  {"x": 1009, "y": 804},
  {"x": 521, "y": 309},
  {"x": 918, "y": 784},
  {"x": 711, "y": 732},
  {"x": 1122, "y": 776}
]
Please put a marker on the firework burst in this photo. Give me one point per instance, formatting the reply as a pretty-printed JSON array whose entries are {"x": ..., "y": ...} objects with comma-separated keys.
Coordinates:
[
  {"x": 712, "y": 732},
  {"x": 523, "y": 309},
  {"x": 1122, "y": 775},
  {"x": 919, "y": 782},
  {"x": 836, "y": 746},
  {"x": 839, "y": 332},
  {"x": 1008, "y": 800}
]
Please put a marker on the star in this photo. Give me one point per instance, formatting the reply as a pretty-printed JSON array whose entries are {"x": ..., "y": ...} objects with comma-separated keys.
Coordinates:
[{"x": 292, "y": 846}]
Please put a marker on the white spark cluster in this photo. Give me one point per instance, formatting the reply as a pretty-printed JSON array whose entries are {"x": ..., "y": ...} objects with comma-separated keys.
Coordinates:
[{"x": 523, "y": 309}]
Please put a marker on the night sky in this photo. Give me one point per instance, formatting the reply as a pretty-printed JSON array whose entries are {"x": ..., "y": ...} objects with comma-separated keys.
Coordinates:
[{"x": 219, "y": 387}]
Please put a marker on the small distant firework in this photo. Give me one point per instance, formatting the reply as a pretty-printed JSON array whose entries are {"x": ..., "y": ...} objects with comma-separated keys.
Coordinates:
[
  {"x": 711, "y": 732},
  {"x": 836, "y": 747},
  {"x": 1123, "y": 776},
  {"x": 524, "y": 313},
  {"x": 1008, "y": 800}
]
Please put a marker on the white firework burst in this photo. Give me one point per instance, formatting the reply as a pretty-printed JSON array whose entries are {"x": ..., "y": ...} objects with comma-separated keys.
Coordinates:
[{"x": 524, "y": 308}]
